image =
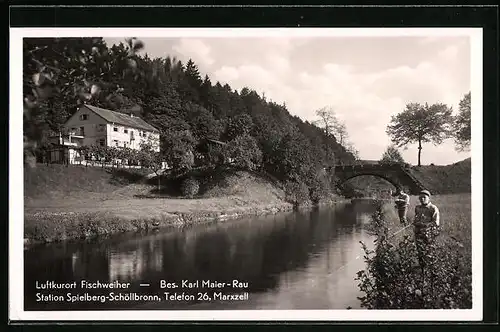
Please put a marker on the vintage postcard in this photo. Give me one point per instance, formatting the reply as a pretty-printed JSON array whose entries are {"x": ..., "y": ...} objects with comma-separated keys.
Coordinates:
[{"x": 245, "y": 174}]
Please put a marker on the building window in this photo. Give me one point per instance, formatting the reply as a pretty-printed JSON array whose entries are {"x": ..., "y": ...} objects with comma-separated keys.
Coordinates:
[
  {"x": 82, "y": 131},
  {"x": 116, "y": 142},
  {"x": 102, "y": 142},
  {"x": 101, "y": 127},
  {"x": 84, "y": 117},
  {"x": 115, "y": 129},
  {"x": 125, "y": 131},
  {"x": 125, "y": 145}
]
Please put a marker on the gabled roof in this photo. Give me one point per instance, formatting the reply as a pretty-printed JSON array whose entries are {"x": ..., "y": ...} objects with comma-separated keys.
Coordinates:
[{"x": 121, "y": 118}]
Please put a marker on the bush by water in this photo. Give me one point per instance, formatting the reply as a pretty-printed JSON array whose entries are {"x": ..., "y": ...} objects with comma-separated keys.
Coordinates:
[{"x": 393, "y": 278}]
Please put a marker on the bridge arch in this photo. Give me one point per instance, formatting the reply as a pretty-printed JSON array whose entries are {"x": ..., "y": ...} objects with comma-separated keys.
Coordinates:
[
  {"x": 394, "y": 174},
  {"x": 386, "y": 178}
]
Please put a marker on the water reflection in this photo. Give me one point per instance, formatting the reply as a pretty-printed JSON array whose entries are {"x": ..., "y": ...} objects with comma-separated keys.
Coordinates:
[{"x": 290, "y": 261}]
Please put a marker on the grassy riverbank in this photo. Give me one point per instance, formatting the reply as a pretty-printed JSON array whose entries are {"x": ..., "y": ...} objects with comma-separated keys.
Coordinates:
[
  {"x": 455, "y": 218},
  {"x": 78, "y": 202}
]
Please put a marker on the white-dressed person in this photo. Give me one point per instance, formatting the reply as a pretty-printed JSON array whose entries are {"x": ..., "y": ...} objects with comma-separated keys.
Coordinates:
[{"x": 426, "y": 225}]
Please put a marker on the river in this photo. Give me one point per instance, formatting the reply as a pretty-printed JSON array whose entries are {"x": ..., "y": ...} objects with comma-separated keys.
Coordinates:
[{"x": 297, "y": 260}]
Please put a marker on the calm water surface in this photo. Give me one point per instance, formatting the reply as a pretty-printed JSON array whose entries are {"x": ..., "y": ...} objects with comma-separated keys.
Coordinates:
[{"x": 299, "y": 260}]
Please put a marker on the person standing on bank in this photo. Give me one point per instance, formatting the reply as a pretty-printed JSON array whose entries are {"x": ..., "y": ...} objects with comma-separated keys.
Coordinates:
[
  {"x": 402, "y": 202},
  {"x": 426, "y": 225}
]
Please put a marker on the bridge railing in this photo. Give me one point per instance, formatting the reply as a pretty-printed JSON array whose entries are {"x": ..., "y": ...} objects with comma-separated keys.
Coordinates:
[{"x": 377, "y": 165}]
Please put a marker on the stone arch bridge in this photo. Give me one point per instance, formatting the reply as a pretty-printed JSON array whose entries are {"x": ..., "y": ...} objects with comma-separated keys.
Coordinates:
[{"x": 395, "y": 174}]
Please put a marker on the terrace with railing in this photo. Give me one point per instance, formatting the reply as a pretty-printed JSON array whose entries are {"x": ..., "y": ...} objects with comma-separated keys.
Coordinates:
[{"x": 66, "y": 137}]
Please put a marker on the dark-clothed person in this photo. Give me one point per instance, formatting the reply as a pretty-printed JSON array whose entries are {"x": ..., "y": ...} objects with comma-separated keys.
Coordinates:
[{"x": 402, "y": 202}]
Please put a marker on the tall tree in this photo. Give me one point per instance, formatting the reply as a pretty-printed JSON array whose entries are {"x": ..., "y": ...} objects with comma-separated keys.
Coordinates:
[
  {"x": 178, "y": 147},
  {"x": 193, "y": 74},
  {"x": 462, "y": 124},
  {"x": 173, "y": 69},
  {"x": 340, "y": 131},
  {"x": 202, "y": 121},
  {"x": 420, "y": 124},
  {"x": 205, "y": 94},
  {"x": 292, "y": 159},
  {"x": 221, "y": 101},
  {"x": 327, "y": 120},
  {"x": 335, "y": 128},
  {"x": 238, "y": 125},
  {"x": 190, "y": 86},
  {"x": 392, "y": 155},
  {"x": 331, "y": 124},
  {"x": 244, "y": 151},
  {"x": 150, "y": 158}
]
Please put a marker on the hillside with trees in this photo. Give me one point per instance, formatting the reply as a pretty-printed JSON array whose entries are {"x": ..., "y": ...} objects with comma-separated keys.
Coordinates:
[
  {"x": 203, "y": 124},
  {"x": 189, "y": 109}
]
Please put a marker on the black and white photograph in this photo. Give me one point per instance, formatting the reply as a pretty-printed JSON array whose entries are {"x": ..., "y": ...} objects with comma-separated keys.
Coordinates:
[{"x": 329, "y": 174}]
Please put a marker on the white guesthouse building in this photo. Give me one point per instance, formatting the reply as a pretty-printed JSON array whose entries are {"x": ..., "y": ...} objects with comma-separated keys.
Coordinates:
[{"x": 92, "y": 125}]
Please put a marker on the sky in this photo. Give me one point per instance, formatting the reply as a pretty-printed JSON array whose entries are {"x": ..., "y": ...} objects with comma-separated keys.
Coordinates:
[{"x": 365, "y": 80}]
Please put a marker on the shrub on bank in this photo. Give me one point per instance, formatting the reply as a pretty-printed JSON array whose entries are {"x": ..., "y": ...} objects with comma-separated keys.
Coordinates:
[
  {"x": 320, "y": 188},
  {"x": 190, "y": 187},
  {"x": 297, "y": 193},
  {"x": 393, "y": 278}
]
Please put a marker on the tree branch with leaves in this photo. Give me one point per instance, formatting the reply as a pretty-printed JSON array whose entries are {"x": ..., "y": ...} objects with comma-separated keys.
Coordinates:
[
  {"x": 462, "y": 124},
  {"x": 60, "y": 73},
  {"x": 392, "y": 155},
  {"x": 331, "y": 124}
]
